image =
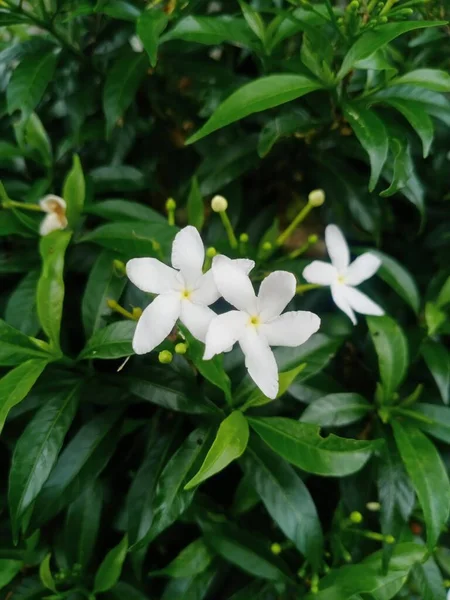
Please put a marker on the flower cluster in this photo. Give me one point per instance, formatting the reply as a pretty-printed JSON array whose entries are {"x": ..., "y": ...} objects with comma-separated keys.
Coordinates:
[{"x": 257, "y": 322}]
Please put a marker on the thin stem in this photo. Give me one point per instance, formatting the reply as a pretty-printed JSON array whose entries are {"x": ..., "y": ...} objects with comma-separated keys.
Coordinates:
[
  {"x": 22, "y": 205},
  {"x": 229, "y": 229},
  {"x": 115, "y": 306},
  {"x": 292, "y": 227},
  {"x": 412, "y": 414},
  {"x": 305, "y": 287}
]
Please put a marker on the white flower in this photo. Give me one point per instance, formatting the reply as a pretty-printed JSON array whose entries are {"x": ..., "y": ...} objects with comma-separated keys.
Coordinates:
[
  {"x": 342, "y": 276},
  {"x": 184, "y": 292},
  {"x": 257, "y": 323},
  {"x": 56, "y": 217}
]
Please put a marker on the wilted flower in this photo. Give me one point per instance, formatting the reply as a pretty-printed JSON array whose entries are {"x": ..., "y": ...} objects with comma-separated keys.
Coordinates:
[
  {"x": 56, "y": 217},
  {"x": 342, "y": 276},
  {"x": 184, "y": 292},
  {"x": 257, "y": 323}
]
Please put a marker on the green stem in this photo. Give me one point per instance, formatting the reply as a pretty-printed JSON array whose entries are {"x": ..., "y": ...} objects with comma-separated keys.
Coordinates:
[
  {"x": 22, "y": 205},
  {"x": 387, "y": 7},
  {"x": 115, "y": 306},
  {"x": 305, "y": 287},
  {"x": 229, "y": 229},
  {"x": 299, "y": 251},
  {"x": 292, "y": 227},
  {"x": 412, "y": 415}
]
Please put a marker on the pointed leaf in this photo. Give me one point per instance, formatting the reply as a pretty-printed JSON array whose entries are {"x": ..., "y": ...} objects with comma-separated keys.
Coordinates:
[
  {"x": 109, "y": 571},
  {"x": 431, "y": 79},
  {"x": 437, "y": 358},
  {"x": 20, "y": 311},
  {"x": 74, "y": 192},
  {"x": 418, "y": 118},
  {"x": 15, "y": 347},
  {"x": 113, "y": 341},
  {"x": 336, "y": 410},
  {"x": 45, "y": 574},
  {"x": 150, "y": 25},
  {"x": 192, "y": 560}
]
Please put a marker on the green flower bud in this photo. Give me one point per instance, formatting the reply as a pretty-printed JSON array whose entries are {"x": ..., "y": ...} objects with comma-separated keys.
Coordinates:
[
  {"x": 211, "y": 252},
  {"x": 181, "y": 348},
  {"x": 171, "y": 204},
  {"x": 313, "y": 239},
  {"x": 316, "y": 197},
  {"x": 356, "y": 517},
  {"x": 276, "y": 549},
  {"x": 267, "y": 246},
  {"x": 219, "y": 204},
  {"x": 165, "y": 357},
  {"x": 243, "y": 238}
]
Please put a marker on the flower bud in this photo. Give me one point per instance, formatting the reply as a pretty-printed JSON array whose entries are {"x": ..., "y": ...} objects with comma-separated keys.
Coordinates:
[
  {"x": 356, "y": 517},
  {"x": 112, "y": 304},
  {"x": 389, "y": 539},
  {"x": 243, "y": 238},
  {"x": 219, "y": 204},
  {"x": 181, "y": 348},
  {"x": 276, "y": 549},
  {"x": 137, "y": 313},
  {"x": 267, "y": 246},
  {"x": 313, "y": 239},
  {"x": 373, "y": 506},
  {"x": 171, "y": 204},
  {"x": 165, "y": 357},
  {"x": 211, "y": 252},
  {"x": 119, "y": 267},
  {"x": 316, "y": 197}
]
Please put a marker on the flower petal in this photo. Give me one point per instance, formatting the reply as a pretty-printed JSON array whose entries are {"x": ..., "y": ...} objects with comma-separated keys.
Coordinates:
[
  {"x": 224, "y": 331},
  {"x": 291, "y": 329},
  {"x": 339, "y": 294},
  {"x": 362, "y": 268},
  {"x": 206, "y": 292},
  {"x": 320, "y": 272},
  {"x": 151, "y": 275},
  {"x": 362, "y": 303},
  {"x": 52, "y": 203},
  {"x": 188, "y": 254},
  {"x": 196, "y": 318},
  {"x": 260, "y": 362},
  {"x": 156, "y": 322},
  {"x": 234, "y": 285},
  {"x": 244, "y": 264},
  {"x": 52, "y": 222},
  {"x": 337, "y": 247},
  {"x": 275, "y": 293}
]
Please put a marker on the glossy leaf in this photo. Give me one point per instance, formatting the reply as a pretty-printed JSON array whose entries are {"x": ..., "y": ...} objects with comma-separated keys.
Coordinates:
[
  {"x": 428, "y": 475},
  {"x": 230, "y": 443},
  {"x": 285, "y": 380},
  {"x": 429, "y": 580},
  {"x": 431, "y": 79},
  {"x": 113, "y": 341},
  {"x": 150, "y": 25},
  {"x": 284, "y": 125},
  {"x": 45, "y": 574},
  {"x": 37, "y": 450},
  {"x": 124, "y": 210},
  {"x": 192, "y": 560},
  {"x": 254, "y": 97},
  {"x": 110, "y": 569},
  {"x": 437, "y": 357},
  {"x": 301, "y": 445},
  {"x": 187, "y": 588},
  {"x": 20, "y": 311},
  {"x": 210, "y": 30},
  {"x": 336, "y": 410},
  {"x": 418, "y": 118},
  {"x": 402, "y": 167},
  {"x": 392, "y": 349},
  {"x": 436, "y": 422},
  {"x": 195, "y": 207},
  {"x": 74, "y": 192},
  {"x": 15, "y": 346},
  {"x": 16, "y": 384},
  {"x": 50, "y": 288},
  {"x": 253, "y": 19},
  {"x": 286, "y": 499}
]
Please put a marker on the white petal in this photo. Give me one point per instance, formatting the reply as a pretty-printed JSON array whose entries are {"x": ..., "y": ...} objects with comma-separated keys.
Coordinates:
[
  {"x": 47, "y": 203},
  {"x": 260, "y": 362},
  {"x": 337, "y": 247},
  {"x": 196, "y": 318},
  {"x": 52, "y": 222},
  {"x": 291, "y": 329},
  {"x": 339, "y": 293},
  {"x": 156, "y": 322},
  {"x": 320, "y": 272},
  {"x": 234, "y": 285},
  {"x": 224, "y": 331},
  {"x": 362, "y": 303},
  {"x": 151, "y": 275},
  {"x": 206, "y": 292},
  {"x": 275, "y": 293},
  {"x": 188, "y": 254},
  {"x": 362, "y": 268},
  {"x": 244, "y": 264}
]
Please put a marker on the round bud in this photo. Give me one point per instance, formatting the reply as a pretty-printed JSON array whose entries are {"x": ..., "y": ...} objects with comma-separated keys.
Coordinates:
[
  {"x": 356, "y": 517},
  {"x": 373, "y": 506},
  {"x": 137, "y": 312},
  {"x": 389, "y": 539},
  {"x": 171, "y": 204},
  {"x": 112, "y": 304},
  {"x": 243, "y": 238},
  {"x": 165, "y": 357},
  {"x": 219, "y": 204},
  {"x": 276, "y": 548},
  {"x": 316, "y": 197},
  {"x": 181, "y": 348},
  {"x": 211, "y": 252},
  {"x": 267, "y": 246},
  {"x": 313, "y": 239},
  {"x": 119, "y": 267}
]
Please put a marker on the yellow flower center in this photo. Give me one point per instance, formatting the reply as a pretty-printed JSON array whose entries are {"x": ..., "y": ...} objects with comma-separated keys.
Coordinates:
[
  {"x": 254, "y": 321},
  {"x": 185, "y": 294},
  {"x": 341, "y": 279}
]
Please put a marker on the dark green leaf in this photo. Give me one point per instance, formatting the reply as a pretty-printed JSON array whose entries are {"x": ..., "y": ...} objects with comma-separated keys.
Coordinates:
[
  {"x": 118, "y": 9},
  {"x": 431, "y": 79},
  {"x": 195, "y": 208},
  {"x": 192, "y": 560},
  {"x": 437, "y": 358},
  {"x": 8, "y": 570},
  {"x": 418, "y": 118},
  {"x": 254, "y": 97},
  {"x": 210, "y": 31},
  {"x": 150, "y": 25},
  {"x": 336, "y": 410},
  {"x": 439, "y": 420},
  {"x": 428, "y": 475},
  {"x": 37, "y": 450},
  {"x": 120, "y": 178},
  {"x": 20, "y": 311},
  {"x": 301, "y": 445},
  {"x": 15, "y": 346},
  {"x": 392, "y": 350},
  {"x": 196, "y": 587},
  {"x": 124, "y": 210},
  {"x": 229, "y": 444},
  {"x": 429, "y": 580},
  {"x": 402, "y": 167},
  {"x": 284, "y": 125},
  {"x": 113, "y": 341},
  {"x": 109, "y": 571},
  {"x": 285, "y": 380},
  {"x": 74, "y": 192},
  {"x": 254, "y": 20},
  {"x": 45, "y": 574}
]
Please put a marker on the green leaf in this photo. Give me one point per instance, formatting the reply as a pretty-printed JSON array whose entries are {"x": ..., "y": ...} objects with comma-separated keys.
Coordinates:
[
  {"x": 20, "y": 311},
  {"x": 29, "y": 81},
  {"x": 150, "y": 25},
  {"x": 230, "y": 443},
  {"x": 9, "y": 568},
  {"x": 74, "y": 192},
  {"x": 254, "y": 97},
  {"x": 392, "y": 350},
  {"x": 444, "y": 295},
  {"x": 15, "y": 347},
  {"x": 285, "y": 380},
  {"x": 336, "y": 410},
  {"x": 295, "y": 121},
  {"x": 437, "y": 358},
  {"x": 50, "y": 288},
  {"x": 196, "y": 587},
  {"x": 171, "y": 498},
  {"x": 429, "y": 580},
  {"x": 245, "y": 551},
  {"x": 118, "y": 9},
  {"x": 192, "y": 560},
  {"x": 118, "y": 178},
  {"x": 439, "y": 420},
  {"x": 113, "y": 341},
  {"x": 103, "y": 284},
  {"x": 301, "y": 445},
  {"x": 398, "y": 278},
  {"x": 418, "y": 118},
  {"x": 254, "y": 20},
  {"x": 37, "y": 450},
  {"x": 110, "y": 569},
  {"x": 125, "y": 210},
  {"x": 370, "y": 41},
  {"x": 402, "y": 167},
  {"x": 80, "y": 463},
  {"x": 286, "y": 499},
  {"x": 431, "y": 79},
  {"x": 211, "y": 30},
  {"x": 372, "y": 135},
  {"x": 16, "y": 384},
  {"x": 428, "y": 475},
  {"x": 434, "y": 318},
  {"x": 195, "y": 207},
  {"x": 33, "y": 139},
  {"x": 121, "y": 85},
  {"x": 45, "y": 574},
  {"x": 82, "y": 525},
  {"x": 142, "y": 491}
]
